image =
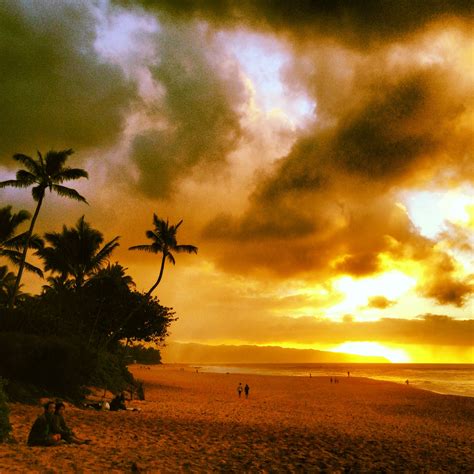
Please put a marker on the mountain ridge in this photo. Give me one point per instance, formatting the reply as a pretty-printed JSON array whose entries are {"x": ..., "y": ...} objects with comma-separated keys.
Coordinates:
[{"x": 197, "y": 353}]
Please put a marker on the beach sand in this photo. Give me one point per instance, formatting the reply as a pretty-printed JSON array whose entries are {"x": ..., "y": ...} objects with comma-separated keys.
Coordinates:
[{"x": 195, "y": 422}]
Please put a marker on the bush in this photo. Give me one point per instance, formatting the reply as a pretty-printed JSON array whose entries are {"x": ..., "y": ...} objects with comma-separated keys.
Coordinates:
[
  {"x": 5, "y": 427},
  {"x": 143, "y": 355},
  {"x": 110, "y": 372},
  {"x": 55, "y": 366}
]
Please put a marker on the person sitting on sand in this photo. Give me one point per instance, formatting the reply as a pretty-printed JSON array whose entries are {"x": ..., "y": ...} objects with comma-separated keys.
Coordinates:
[
  {"x": 239, "y": 389},
  {"x": 41, "y": 433},
  {"x": 246, "y": 390},
  {"x": 118, "y": 403},
  {"x": 60, "y": 427}
]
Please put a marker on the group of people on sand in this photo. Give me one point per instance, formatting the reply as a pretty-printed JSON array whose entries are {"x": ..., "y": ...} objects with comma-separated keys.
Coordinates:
[
  {"x": 50, "y": 428},
  {"x": 241, "y": 389}
]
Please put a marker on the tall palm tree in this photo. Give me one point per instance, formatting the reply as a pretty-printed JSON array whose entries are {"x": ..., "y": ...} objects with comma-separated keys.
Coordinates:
[
  {"x": 163, "y": 238},
  {"x": 43, "y": 173},
  {"x": 11, "y": 245},
  {"x": 76, "y": 252}
]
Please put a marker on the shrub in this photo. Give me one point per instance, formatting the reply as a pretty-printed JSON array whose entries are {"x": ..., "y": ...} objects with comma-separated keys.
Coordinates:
[{"x": 5, "y": 427}]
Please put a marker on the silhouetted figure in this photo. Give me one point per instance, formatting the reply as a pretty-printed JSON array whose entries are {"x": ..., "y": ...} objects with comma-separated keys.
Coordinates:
[
  {"x": 239, "y": 389},
  {"x": 140, "y": 391},
  {"x": 406, "y": 381},
  {"x": 348, "y": 374},
  {"x": 41, "y": 433},
  {"x": 60, "y": 427},
  {"x": 246, "y": 390},
  {"x": 330, "y": 379},
  {"x": 118, "y": 403},
  {"x": 310, "y": 375}
]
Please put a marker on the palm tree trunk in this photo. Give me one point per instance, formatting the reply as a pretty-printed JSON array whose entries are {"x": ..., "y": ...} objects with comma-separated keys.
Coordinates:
[
  {"x": 147, "y": 295},
  {"x": 160, "y": 276},
  {"x": 25, "y": 250}
]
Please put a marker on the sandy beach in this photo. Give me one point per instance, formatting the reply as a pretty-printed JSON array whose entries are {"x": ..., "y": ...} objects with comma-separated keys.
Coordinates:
[{"x": 196, "y": 422}]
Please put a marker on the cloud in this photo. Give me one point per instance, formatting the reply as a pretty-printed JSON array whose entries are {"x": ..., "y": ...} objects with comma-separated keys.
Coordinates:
[
  {"x": 380, "y": 302},
  {"x": 269, "y": 329},
  {"x": 362, "y": 24},
  {"x": 197, "y": 114},
  {"x": 56, "y": 92},
  {"x": 331, "y": 205},
  {"x": 442, "y": 283}
]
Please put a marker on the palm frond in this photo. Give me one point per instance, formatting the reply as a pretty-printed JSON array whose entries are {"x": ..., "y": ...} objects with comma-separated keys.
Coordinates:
[
  {"x": 170, "y": 258},
  {"x": 105, "y": 252},
  {"x": 37, "y": 192},
  {"x": 68, "y": 174},
  {"x": 13, "y": 183},
  {"x": 145, "y": 248},
  {"x": 26, "y": 177},
  {"x": 185, "y": 249},
  {"x": 68, "y": 192},
  {"x": 27, "y": 162},
  {"x": 55, "y": 160}
]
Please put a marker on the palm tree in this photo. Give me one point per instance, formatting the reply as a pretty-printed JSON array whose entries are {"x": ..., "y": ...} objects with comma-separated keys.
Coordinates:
[
  {"x": 43, "y": 173},
  {"x": 11, "y": 244},
  {"x": 76, "y": 252},
  {"x": 163, "y": 238},
  {"x": 7, "y": 283}
]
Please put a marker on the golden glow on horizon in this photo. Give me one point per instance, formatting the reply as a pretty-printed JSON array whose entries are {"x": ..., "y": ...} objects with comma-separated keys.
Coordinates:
[{"x": 366, "y": 348}]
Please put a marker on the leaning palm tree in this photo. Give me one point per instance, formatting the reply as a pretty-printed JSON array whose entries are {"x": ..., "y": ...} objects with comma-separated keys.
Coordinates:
[
  {"x": 76, "y": 252},
  {"x": 43, "y": 173},
  {"x": 11, "y": 245},
  {"x": 163, "y": 238}
]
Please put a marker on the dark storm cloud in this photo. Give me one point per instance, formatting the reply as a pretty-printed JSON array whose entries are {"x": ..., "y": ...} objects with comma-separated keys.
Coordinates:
[
  {"x": 198, "y": 110},
  {"x": 360, "y": 23},
  {"x": 337, "y": 187},
  {"x": 442, "y": 284},
  {"x": 54, "y": 89}
]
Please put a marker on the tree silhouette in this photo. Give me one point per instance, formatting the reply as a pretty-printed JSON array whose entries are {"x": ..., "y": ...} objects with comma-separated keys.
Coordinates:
[
  {"x": 163, "y": 238},
  {"x": 43, "y": 173},
  {"x": 11, "y": 245},
  {"x": 76, "y": 252},
  {"x": 7, "y": 283}
]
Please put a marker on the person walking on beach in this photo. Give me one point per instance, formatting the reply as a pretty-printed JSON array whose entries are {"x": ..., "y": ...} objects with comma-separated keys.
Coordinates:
[
  {"x": 239, "y": 389},
  {"x": 246, "y": 390},
  {"x": 41, "y": 433}
]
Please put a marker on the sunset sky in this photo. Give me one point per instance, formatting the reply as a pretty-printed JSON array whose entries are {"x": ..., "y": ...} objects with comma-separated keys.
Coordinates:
[{"x": 319, "y": 154}]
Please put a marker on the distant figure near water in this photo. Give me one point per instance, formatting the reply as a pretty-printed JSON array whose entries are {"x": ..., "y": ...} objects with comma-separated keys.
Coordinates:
[
  {"x": 348, "y": 374},
  {"x": 239, "y": 389},
  {"x": 406, "y": 381},
  {"x": 246, "y": 390}
]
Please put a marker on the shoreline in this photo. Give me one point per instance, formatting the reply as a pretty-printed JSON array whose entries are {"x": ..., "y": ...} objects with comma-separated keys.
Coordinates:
[
  {"x": 450, "y": 387},
  {"x": 196, "y": 422}
]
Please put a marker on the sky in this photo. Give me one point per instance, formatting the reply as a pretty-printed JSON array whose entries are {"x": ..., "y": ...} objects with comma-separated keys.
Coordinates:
[{"x": 319, "y": 154}]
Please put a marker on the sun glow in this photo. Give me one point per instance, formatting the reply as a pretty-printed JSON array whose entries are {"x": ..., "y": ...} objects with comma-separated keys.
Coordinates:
[
  {"x": 373, "y": 349},
  {"x": 357, "y": 292}
]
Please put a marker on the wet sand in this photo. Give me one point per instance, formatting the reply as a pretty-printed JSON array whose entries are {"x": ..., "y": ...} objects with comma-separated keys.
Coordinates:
[{"x": 196, "y": 423}]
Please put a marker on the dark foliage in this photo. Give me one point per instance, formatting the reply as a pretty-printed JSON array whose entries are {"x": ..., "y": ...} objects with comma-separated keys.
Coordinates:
[
  {"x": 56, "y": 365},
  {"x": 142, "y": 355},
  {"x": 5, "y": 426}
]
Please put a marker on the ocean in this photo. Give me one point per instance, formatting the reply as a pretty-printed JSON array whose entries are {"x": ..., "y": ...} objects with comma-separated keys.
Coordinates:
[{"x": 450, "y": 379}]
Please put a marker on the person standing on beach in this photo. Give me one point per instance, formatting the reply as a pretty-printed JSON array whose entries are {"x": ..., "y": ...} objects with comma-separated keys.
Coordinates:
[
  {"x": 239, "y": 389},
  {"x": 41, "y": 433},
  {"x": 246, "y": 390}
]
